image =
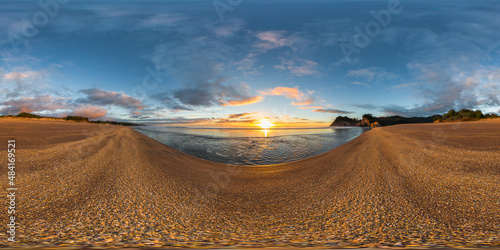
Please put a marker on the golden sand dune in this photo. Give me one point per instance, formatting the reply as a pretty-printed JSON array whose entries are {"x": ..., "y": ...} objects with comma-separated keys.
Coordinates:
[{"x": 86, "y": 184}]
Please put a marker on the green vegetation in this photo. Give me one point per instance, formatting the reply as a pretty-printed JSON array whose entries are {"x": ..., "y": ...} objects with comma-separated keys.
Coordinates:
[
  {"x": 396, "y": 119},
  {"x": 28, "y": 115},
  {"x": 369, "y": 117},
  {"x": 437, "y": 118},
  {"x": 345, "y": 121},
  {"x": 117, "y": 123},
  {"x": 71, "y": 118},
  {"x": 77, "y": 118},
  {"x": 464, "y": 115},
  {"x": 370, "y": 121}
]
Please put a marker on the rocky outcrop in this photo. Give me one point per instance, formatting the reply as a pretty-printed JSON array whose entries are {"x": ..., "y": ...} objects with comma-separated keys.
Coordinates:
[
  {"x": 344, "y": 121},
  {"x": 365, "y": 122}
]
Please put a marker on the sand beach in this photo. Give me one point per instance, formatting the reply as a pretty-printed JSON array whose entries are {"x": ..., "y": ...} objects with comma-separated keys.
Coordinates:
[{"x": 82, "y": 184}]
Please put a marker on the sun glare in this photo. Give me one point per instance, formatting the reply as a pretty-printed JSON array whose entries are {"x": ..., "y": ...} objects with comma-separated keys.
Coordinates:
[{"x": 265, "y": 123}]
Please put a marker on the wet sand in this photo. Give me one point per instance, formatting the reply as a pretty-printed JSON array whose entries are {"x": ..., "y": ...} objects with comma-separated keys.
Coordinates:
[{"x": 83, "y": 184}]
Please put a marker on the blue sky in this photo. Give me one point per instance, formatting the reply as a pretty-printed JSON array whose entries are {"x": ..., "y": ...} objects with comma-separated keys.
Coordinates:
[{"x": 218, "y": 63}]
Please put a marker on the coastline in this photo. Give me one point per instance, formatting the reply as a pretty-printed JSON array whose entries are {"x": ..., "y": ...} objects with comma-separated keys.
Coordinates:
[{"x": 408, "y": 185}]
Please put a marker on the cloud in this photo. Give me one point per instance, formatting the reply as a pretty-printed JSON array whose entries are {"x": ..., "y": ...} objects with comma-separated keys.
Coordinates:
[
  {"x": 199, "y": 63},
  {"x": 453, "y": 66},
  {"x": 25, "y": 81},
  {"x": 247, "y": 65},
  {"x": 290, "y": 93},
  {"x": 295, "y": 42},
  {"x": 446, "y": 87},
  {"x": 90, "y": 112},
  {"x": 226, "y": 29},
  {"x": 361, "y": 73},
  {"x": 192, "y": 121},
  {"x": 302, "y": 98},
  {"x": 311, "y": 107},
  {"x": 366, "y": 106},
  {"x": 406, "y": 111},
  {"x": 304, "y": 101},
  {"x": 97, "y": 96},
  {"x": 405, "y": 85},
  {"x": 223, "y": 120},
  {"x": 246, "y": 101},
  {"x": 371, "y": 74},
  {"x": 176, "y": 120},
  {"x": 241, "y": 115},
  {"x": 181, "y": 108},
  {"x": 333, "y": 111},
  {"x": 160, "y": 20},
  {"x": 33, "y": 104},
  {"x": 193, "y": 61},
  {"x": 469, "y": 91},
  {"x": 196, "y": 96},
  {"x": 15, "y": 76},
  {"x": 271, "y": 39},
  {"x": 329, "y": 32},
  {"x": 300, "y": 67},
  {"x": 301, "y": 119},
  {"x": 494, "y": 75},
  {"x": 361, "y": 84},
  {"x": 209, "y": 94}
]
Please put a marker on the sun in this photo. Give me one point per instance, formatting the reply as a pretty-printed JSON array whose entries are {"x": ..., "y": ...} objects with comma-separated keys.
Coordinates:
[{"x": 265, "y": 123}]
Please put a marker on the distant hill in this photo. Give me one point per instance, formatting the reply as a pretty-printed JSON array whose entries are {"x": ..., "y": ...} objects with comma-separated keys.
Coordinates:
[
  {"x": 393, "y": 120},
  {"x": 68, "y": 118},
  {"x": 369, "y": 120},
  {"x": 344, "y": 121}
]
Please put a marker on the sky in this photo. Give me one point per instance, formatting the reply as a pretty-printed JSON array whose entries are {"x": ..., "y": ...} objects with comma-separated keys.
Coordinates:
[{"x": 223, "y": 63}]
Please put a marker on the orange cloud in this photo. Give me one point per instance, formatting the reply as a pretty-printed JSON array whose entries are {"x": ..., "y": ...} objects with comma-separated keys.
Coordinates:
[
  {"x": 312, "y": 107},
  {"x": 33, "y": 104},
  {"x": 291, "y": 93},
  {"x": 307, "y": 101},
  {"x": 90, "y": 112},
  {"x": 246, "y": 101},
  {"x": 22, "y": 75},
  {"x": 14, "y": 76}
]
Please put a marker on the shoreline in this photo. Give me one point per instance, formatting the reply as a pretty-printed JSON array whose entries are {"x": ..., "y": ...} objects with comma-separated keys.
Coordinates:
[
  {"x": 407, "y": 185},
  {"x": 283, "y": 140}
]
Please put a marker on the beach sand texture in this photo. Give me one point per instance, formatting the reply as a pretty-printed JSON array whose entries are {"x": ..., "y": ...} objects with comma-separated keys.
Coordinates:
[{"x": 83, "y": 184}]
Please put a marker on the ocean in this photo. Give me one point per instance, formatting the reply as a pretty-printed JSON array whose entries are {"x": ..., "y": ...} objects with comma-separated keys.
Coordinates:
[{"x": 251, "y": 146}]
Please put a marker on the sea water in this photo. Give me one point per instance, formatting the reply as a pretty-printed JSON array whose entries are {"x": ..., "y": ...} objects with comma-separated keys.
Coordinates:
[{"x": 251, "y": 146}]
